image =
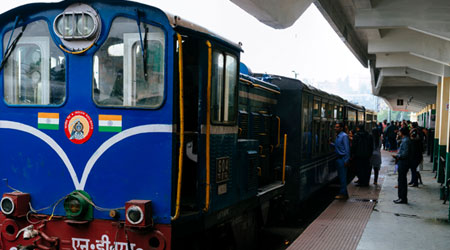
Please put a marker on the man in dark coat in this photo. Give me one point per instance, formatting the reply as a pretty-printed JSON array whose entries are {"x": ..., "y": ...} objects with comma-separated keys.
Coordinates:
[
  {"x": 362, "y": 149},
  {"x": 391, "y": 136},
  {"x": 403, "y": 163}
]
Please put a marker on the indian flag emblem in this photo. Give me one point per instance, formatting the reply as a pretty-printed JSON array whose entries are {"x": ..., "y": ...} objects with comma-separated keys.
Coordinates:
[
  {"x": 109, "y": 123},
  {"x": 48, "y": 121}
]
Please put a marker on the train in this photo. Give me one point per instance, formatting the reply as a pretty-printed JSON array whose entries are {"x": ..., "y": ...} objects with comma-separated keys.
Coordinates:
[{"x": 125, "y": 127}]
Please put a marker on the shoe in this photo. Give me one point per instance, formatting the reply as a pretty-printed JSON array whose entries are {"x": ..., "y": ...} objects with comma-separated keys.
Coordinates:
[
  {"x": 400, "y": 201},
  {"x": 417, "y": 185},
  {"x": 375, "y": 183},
  {"x": 396, "y": 186},
  {"x": 341, "y": 197}
]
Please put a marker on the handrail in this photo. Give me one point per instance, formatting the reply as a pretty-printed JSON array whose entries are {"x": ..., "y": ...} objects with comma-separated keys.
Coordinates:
[
  {"x": 208, "y": 127},
  {"x": 279, "y": 129},
  {"x": 284, "y": 159},
  {"x": 259, "y": 86},
  {"x": 181, "y": 149}
]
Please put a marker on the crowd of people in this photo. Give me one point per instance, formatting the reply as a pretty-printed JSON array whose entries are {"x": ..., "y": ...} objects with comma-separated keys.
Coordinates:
[{"x": 359, "y": 152}]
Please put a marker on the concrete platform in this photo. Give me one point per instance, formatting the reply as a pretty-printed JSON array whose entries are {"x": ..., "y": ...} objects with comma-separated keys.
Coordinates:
[
  {"x": 370, "y": 220},
  {"x": 420, "y": 224}
]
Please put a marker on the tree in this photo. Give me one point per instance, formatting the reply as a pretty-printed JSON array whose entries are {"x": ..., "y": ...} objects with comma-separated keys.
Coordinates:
[{"x": 395, "y": 115}]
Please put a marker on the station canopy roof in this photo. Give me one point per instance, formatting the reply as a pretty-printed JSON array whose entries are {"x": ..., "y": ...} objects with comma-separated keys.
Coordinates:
[{"x": 405, "y": 43}]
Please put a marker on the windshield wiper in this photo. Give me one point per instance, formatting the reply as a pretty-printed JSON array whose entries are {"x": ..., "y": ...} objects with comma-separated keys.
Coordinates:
[
  {"x": 11, "y": 48},
  {"x": 143, "y": 43}
]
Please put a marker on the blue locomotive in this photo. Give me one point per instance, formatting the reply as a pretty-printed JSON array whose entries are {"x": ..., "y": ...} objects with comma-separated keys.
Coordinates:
[{"x": 124, "y": 127}]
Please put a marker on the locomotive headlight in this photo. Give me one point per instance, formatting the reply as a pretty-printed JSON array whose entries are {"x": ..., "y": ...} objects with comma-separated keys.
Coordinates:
[
  {"x": 134, "y": 215},
  {"x": 64, "y": 25},
  {"x": 78, "y": 27},
  {"x": 85, "y": 25},
  {"x": 7, "y": 205},
  {"x": 77, "y": 206}
]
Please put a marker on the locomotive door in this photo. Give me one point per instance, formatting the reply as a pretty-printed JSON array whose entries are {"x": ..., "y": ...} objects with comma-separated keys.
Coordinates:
[{"x": 192, "y": 77}]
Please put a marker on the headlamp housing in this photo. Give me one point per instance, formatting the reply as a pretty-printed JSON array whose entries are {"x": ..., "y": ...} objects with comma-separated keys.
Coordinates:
[
  {"x": 138, "y": 213},
  {"x": 78, "y": 27},
  {"x": 15, "y": 204}
]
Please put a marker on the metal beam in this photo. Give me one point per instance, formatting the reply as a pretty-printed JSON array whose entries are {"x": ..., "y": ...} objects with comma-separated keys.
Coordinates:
[
  {"x": 413, "y": 42},
  {"x": 429, "y": 17},
  {"x": 415, "y": 98},
  {"x": 409, "y": 61},
  {"x": 411, "y": 73},
  {"x": 278, "y": 14}
]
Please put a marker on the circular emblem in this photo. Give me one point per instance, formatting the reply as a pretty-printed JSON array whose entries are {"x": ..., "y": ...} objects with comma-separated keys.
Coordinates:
[{"x": 78, "y": 127}]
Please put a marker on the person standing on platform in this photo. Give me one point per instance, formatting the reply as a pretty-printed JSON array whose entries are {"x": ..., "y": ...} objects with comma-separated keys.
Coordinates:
[
  {"x": 342, "y": 149},
  {"x": 375, "y": 160},
  {"x": 416, "y": 157},
  {"x": 403, "y": 162},
  {"x": 391, "y": 136},
  {"x": 362, "y": 148}
]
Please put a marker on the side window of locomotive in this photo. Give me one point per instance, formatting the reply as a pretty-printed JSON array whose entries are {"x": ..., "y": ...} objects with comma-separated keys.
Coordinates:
[
  {"x": 223, "y": 88},
  {"x": 35, "y": 72},
  {"x": 127, "y": 74}
]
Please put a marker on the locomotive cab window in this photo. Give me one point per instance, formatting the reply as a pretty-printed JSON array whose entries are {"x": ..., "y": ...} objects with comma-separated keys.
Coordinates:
[
  {"x": 34, "y": 73},
  {"x": 127, "y": 74},
  {"x": 224, "y": 88}
]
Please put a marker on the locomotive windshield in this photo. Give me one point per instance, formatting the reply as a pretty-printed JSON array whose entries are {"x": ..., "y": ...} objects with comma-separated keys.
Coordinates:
[
  {"x": 129, "y": 67},
  {"x": 35, "y": 71}
]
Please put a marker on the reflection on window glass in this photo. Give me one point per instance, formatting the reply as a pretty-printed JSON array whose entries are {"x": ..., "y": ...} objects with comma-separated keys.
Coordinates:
[
  {"x": 351, "y": 115},
  {"x": 217, "y": 86},
  {"x": 316, "y": 108},
  {"x": 306, "y": 128},
  {"x": 360, "y": 116},
  {"x": 322, "y": 110},
  {"x": 230, "y": 88},
  {"x": 223, "y": 88},
  {"x": 35, "y": 72},
  {"x": 125, "y": 74}
]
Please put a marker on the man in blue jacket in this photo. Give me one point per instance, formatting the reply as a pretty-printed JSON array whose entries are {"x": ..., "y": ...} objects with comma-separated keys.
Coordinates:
[{"x": 342, "y": 149}]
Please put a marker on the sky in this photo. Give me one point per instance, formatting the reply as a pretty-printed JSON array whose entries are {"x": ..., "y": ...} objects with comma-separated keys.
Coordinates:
[{"x": 310, "y": 47}]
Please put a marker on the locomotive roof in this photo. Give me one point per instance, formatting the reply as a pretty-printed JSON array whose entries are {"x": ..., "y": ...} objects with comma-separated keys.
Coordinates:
[
  {"x": 174, "y": 20},
  {"x": 295, "y": 83},
  {"x": 355, "y": 106},
  {"x": 259, "y": 82},
  {"x": 177, "y": 21}
]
